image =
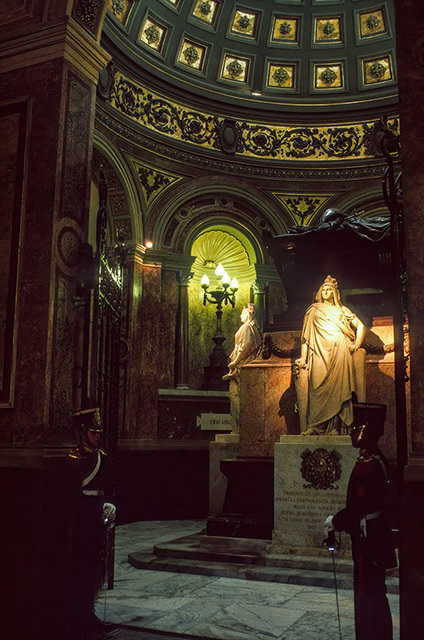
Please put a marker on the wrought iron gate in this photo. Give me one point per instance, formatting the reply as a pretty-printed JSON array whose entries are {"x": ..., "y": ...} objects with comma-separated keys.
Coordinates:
[{"x": 102, "y": 292}]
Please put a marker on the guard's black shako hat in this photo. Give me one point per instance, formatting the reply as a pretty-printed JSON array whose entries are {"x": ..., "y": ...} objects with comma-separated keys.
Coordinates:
[
  {"x": 372, "y": 416},
  {"x": 88, "y": 419}
]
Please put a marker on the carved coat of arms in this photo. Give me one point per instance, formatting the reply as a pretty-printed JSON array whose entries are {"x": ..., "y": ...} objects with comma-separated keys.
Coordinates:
[{"x": 320, "y": 468}]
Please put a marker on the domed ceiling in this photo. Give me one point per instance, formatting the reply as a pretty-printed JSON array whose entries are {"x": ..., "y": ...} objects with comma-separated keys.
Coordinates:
[{"x": 271, "y": 56}]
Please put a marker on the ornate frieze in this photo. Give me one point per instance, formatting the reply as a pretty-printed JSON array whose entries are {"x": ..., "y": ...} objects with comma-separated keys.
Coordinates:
[
  {"x": 239, "y": 168},
  {"x": 302, "y": 208},
  {"x": 123, "y": 229},
  {"x": 119, "y": 205},
  {"x": 89, "y": 13},
  {"x": 153, "y": 182},
  {"x": 339, "y": 142}
]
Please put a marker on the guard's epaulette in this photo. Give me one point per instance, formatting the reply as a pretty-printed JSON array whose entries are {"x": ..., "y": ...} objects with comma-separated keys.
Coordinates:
[{"x": 75, "y": 453}]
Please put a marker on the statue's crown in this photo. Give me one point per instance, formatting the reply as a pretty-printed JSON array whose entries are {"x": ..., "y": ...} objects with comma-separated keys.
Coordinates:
[{"x": 331, "y": 282}]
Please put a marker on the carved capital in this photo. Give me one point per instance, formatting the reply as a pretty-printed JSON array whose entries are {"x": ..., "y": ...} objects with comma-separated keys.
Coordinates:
[
  {"x": 184, "y": 278},
  {"x": 259, "y": 286}
]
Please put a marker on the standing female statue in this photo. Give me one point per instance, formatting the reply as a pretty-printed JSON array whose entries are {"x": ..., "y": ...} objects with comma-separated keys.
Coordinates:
[{"x": 331, "y": 366}]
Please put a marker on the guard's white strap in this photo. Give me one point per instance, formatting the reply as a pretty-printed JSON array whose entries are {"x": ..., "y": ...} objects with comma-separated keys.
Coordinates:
[
  {"x": 373, "y": 516},
  {"x": 93, "y": 474},
  {"x": 364, "y": 520}
]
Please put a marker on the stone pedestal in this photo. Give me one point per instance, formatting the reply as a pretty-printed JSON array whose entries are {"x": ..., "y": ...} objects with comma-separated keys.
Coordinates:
[
  {"x": 311, "y": 478},
  {"x": 267, "y": 400},
  {"x": 224, "y": 448},
  {"x": 247, "y": 511}
]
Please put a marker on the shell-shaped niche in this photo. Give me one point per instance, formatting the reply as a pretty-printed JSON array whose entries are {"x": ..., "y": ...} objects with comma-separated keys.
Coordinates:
[{"x": 220, "y": 247}]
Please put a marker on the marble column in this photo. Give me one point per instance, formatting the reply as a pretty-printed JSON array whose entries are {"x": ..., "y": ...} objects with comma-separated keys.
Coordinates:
[
  {"x": 181, "y": 347},
  {"x": 258, "y": 288},
  {"x": 410, "y": 57},
  {"x": 144, "y": 343},
  {"x": 48, "y": 88}
]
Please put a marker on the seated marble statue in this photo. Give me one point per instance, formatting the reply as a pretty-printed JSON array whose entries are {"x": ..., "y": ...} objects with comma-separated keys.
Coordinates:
[
  {"x": 331, "y": 367},
  {"x": 247, "y": 345}
]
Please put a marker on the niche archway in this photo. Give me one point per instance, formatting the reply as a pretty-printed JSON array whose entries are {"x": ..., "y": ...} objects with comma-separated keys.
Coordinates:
[{"x": 226, "y": 245}]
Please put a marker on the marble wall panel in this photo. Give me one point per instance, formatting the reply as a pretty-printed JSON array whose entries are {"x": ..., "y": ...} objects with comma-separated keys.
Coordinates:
[
  {"x": 410, "y": 46},
  {"x": 65, "y": 369},
  {"x": 142, "y": 386},
  {"x": 381, "y": 389},
  {"x": 202, "y": 326},
  {"x": 166, "y": 352},
  {"x": 266, "y": 406},
  {"x": 77, "y": 149}
]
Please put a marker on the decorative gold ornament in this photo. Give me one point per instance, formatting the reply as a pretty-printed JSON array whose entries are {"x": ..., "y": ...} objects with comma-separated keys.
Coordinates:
[
  {"x": 320, "y": 468},
  {"x": 377, "y": 70}
]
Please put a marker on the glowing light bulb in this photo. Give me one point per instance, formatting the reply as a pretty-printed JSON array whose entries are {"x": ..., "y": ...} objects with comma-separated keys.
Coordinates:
[
  {"x": 220, "y": 271},
  {"x": 225, "y": 279},
  {"x": 149, "y": 244},
  {"x": 204, "y": 281},
  {"x": 234, "y": 284}
]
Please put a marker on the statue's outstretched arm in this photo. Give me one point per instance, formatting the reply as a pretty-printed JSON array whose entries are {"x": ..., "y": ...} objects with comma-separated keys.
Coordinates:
[{"x": 360, "y": 334}]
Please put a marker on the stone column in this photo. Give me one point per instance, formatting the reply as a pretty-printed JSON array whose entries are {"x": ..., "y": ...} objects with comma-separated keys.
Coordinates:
[
  {"x": 259, "y": 300},
  {"x": 48, "y": 80},
  {"x": 410, "y": 57},
  {"x": 144, "y": 343},
  {"x": 181, "y": 347}
]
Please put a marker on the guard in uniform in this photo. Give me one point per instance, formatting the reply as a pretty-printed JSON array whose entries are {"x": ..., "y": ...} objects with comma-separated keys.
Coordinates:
[
  {"x": 365, "y": 518},
  {"x": 91, "y": 512}
]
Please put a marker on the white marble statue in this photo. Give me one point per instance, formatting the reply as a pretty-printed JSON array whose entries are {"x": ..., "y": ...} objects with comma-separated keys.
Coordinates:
[
  {"x": 331, "y": 366},
  {"x": 247, "y": 345}
]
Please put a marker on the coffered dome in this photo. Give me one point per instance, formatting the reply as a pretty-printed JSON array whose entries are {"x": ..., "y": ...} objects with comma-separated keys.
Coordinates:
[{"x": 273, "y": 56}]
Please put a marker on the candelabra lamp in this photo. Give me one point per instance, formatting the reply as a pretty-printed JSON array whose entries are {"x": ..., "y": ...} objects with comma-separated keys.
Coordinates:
[{"x": 223, "y": 293}]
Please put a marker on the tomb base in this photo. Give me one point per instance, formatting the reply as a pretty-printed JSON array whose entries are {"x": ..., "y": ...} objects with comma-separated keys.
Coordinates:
[
  {"x": 311, "y": 479},
  {"x": 248, "y": 507}
]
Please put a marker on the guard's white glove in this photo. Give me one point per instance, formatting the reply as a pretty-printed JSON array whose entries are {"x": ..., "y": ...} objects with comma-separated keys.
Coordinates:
[
  {"x": 109, "y": 511},
  {"x": 328, "y": 526}
]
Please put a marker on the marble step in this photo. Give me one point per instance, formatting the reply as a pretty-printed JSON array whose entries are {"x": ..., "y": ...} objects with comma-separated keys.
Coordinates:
[{"x": 248, "y": 560}]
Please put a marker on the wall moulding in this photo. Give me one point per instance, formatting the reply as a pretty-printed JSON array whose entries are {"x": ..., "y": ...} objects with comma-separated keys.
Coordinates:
[{"x": 66, "y": 40}]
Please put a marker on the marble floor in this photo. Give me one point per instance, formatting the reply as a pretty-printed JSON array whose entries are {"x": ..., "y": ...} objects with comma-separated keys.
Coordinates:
[{"x": 211, "y": 607}]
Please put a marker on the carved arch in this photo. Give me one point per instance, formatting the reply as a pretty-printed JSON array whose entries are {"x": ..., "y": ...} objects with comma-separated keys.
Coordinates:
[
  {"x": 203, "y": 204},
  {"x": 124, "y": 208}
]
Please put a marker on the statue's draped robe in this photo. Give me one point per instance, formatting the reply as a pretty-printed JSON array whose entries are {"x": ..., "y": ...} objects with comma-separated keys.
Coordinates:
[
  {"x": 248, "y": 343},
  {"x": 328, "y": 333}
]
